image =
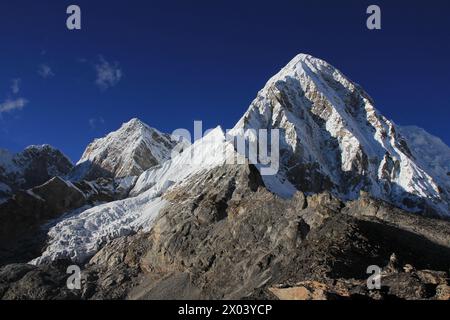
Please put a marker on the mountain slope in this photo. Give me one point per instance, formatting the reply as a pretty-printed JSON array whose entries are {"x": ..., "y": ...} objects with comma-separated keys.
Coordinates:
[
  {"x": 129, "y": 151},
  {"x": 333, "y": 138},
  {"x": 31, "y": 167},
  {"x": 79, "y": 236},
  {"x": 430, "y": 152}
]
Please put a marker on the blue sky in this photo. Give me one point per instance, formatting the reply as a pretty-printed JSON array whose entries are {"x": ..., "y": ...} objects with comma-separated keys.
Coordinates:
[{"x": 173, "y": 62}]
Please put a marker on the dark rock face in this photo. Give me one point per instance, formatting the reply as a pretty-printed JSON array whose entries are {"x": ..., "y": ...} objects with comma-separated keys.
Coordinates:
[
  {"x": 226, "y": 237},
  {"x": 23, "y": 218},
  {"x": 42, "y": 164},
  {"x": 129, "y": 151},
  {"x": 28, "y": 209},
  {"x": 24, "y": 281},
  {"x": 33, "y": 166}
]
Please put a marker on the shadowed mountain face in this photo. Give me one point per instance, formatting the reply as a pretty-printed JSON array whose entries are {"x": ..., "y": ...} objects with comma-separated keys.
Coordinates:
[
  {"x": 353, "y": 191},
  {"x": 31, "y": 167}
]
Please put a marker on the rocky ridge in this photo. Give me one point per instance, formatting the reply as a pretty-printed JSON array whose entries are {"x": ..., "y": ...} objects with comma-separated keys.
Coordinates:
[{"x": 31, "y": 167}]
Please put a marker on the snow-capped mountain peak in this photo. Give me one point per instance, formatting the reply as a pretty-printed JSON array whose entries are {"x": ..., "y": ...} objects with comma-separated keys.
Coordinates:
[
  {"x": 333, "y": 138},
  {"x": 33, "y": 166},
  {"x": 79, "y": 236},
  {"x": 129, "y": 151}
]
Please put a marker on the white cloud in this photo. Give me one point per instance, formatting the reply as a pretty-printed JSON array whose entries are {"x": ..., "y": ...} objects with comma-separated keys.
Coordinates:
[
  {"x": 45, "y": 71},
  {"x": 108, "y": 75},
  {"x": 15, "y": 86},
  {"x": 95, "y": 122},
  {"x": 11, "y": 105}
]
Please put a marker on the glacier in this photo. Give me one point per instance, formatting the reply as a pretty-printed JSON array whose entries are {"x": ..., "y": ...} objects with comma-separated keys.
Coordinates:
[{"x": 78, "y": 236}]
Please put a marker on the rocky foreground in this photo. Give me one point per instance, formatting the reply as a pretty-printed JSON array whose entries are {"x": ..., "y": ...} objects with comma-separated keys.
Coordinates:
[{"x": 226, "y": 237}]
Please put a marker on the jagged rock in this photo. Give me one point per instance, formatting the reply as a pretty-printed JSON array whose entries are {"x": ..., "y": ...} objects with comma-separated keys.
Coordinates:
[
  {"x": 333, "y": 139},
  {"x": 26, "y": 282},
  {"x": 24, "y": 219},
  {"x": 432, "y": 277},
  {"x": 443, "y": 292},
  {"x": 21, "y": 217},
  {"x": 31, "y": 167},
  {"x": 393, "y": 265},
  {"x": 129, "y": 151},
  {"x": 408, "y": 268},
  {"x": 28, "y": 209}
]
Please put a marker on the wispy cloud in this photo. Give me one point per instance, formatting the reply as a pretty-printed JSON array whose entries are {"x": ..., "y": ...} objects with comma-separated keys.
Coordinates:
[
  {"x": 45, "y": 71},
  {"x": 10, "y": 105},
  {"x": 15, "y": 85},
  {"x": 95, "y": 122},
  {"x": 108, "y": 74}
]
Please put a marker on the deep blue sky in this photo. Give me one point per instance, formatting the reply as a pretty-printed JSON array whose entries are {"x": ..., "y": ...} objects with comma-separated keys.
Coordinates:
[{"x": 205, "y": 60}]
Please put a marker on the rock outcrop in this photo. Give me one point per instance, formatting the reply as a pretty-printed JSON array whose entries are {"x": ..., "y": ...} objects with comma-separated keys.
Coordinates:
[
  {"x": 31, "y": 167},
  {"x": 26, "y": 217}
]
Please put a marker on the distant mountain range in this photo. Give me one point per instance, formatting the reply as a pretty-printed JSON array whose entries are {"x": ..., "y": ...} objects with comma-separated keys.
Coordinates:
[{"x": 352, "y": 190}]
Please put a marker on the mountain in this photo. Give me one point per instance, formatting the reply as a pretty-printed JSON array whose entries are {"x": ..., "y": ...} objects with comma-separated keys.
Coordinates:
[
  {"x": 31, "y": 167},
  {"x": 104, "y": 174},
  {"x": 207, "y": 223},
  {"x": 80, "y": 236},
  {"x": 430, "y": 152},
  {"x": 26, "y": 216},
  {"x": 333, "y": 139},
  {"x": 129, "y": 151}
]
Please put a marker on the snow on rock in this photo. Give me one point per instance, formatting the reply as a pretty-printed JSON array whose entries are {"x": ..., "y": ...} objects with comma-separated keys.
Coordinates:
[
  {"x": 430, "y": 152},
  {"x": 4, "y": 188},
  {"x": 333, "y": 138},
  {"x": 208, "y": 152},
  {"x": 129, "y": 151},
  {"x": 33, "y": 166},
  {"x": 79, "y": 236}
]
